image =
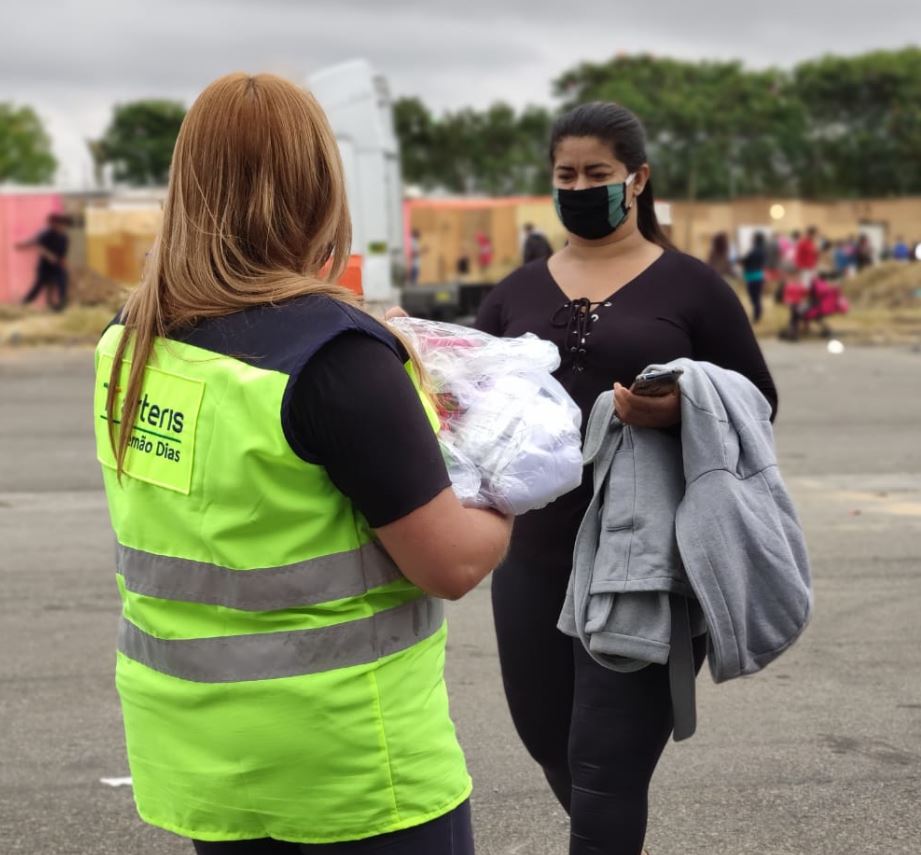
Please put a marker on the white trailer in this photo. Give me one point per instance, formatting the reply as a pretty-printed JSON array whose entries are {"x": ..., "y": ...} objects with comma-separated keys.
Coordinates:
[{"x": 360, "y": 110}]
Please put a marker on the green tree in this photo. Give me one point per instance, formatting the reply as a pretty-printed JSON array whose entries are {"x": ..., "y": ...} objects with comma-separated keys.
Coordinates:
[
  {"x": 865, "y": 123},
  {"x": 455, "y": 161},
  {"x": 714, "y": 129},
  {"x": 533, "y": 140},
  {"x": 512, "y": 150},
  {"x": 833, "y": 127},
  {"x": 139, "y": 141},
  {"x": 25, "y": 148},
  {"x": 495, "y": 151},
  {"x": 416, "y": 130}
]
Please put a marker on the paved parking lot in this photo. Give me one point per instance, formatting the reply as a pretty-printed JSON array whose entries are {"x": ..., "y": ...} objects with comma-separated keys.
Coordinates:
[{"x": 818, "y": 755}]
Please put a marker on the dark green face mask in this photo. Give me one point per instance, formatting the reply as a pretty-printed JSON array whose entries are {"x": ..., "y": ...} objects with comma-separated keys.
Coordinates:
[{"x": 595, "y": 212}]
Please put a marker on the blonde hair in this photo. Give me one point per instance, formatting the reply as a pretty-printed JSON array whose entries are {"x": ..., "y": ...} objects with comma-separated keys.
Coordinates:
[{"x": 255, "y": 213}]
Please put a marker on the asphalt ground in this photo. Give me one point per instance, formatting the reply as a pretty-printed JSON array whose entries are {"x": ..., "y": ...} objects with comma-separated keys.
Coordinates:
[{"x": 818, "y": 755}]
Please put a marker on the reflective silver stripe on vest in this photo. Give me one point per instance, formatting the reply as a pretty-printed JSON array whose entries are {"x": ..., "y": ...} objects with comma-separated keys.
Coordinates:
[
  {"x": 317, "y": 580},
  {"x": 238, "y": 658}
]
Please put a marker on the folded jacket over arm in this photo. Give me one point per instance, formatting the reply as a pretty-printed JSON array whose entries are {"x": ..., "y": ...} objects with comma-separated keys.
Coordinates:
[{"x": 686, "y": 536}]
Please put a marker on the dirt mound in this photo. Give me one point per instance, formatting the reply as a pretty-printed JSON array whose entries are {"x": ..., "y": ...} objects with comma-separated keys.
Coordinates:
[
  {"x": 891, "y": 285},
  {"x": 78, "y": 325},
  {"x": 89, "y": 288}
]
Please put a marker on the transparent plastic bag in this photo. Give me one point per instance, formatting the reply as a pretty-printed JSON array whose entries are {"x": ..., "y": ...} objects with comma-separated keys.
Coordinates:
[{"x": 509, "y": 431}]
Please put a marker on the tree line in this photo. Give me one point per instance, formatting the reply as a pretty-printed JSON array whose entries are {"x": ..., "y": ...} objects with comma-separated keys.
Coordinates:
[{"x": 835, "y": 127}]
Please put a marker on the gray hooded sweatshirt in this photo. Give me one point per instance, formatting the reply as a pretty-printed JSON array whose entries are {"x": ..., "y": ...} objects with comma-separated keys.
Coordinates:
[{"x": 687, "y": 536}]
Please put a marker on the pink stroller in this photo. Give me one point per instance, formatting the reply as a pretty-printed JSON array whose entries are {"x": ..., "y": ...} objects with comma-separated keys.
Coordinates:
[
  {"x": 825, "y": 299},
  {"x": 815, "y": 303}
]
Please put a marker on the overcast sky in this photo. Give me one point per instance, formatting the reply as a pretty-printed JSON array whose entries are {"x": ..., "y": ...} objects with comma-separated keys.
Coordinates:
[{"x": 73, "y": 59}]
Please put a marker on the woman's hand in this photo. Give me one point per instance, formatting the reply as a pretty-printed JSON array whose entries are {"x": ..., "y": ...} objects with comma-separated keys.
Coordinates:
[
  {"x": 395, "y": 312},
  {"x": 663, "y": 411}
]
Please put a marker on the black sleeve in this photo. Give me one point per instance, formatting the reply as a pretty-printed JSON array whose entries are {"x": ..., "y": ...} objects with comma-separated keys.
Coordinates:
[
  {"x": 532, "y": 249},
  {"x": 53, "y": 242},
  {"x": 723, "y": 335},
  {"x": 45, "y": 239},
  {"x": 489, "y": 316},
  {"x": 355, "y": 408}
]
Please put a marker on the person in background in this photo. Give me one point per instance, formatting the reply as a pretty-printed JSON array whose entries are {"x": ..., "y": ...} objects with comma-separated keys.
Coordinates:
[
  {"x": 415, "y": 256},
  {"x": 850, "y": 252},
  {"x": 863, "y": 253},
  {"x": 462, "y": 265},
  {"x": 616, "y": 298},
  {"x": 772, "y": 258},
  {"x": 285, "y": 539},
  {"x": 773, "y": 265},
  {"x": 901, "y": 251},
  {"x": 51, "y": 274},
  {"x": 720, "y": 258},
  {"x": 484, "y": 251},
  {"x": 797, "y": 294},
  {"x": 753, "y": 265},
  {"x": 807, "y": 256},
  {"x": 536, "y": 246},
  {"x": 827, "y": 267},
  {"x": 841, "y": 258},
  {"x": 788, "y": 252}
]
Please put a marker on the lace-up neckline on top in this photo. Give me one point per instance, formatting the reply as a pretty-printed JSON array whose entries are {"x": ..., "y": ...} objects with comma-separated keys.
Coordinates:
[{"x": 578, "y": 317}]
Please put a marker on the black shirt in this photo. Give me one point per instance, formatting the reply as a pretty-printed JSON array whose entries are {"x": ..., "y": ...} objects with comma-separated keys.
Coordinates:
[
  {"x": 754, "y": 260},
  {"x": 355, "y": 409},
  {"x": 536, "y": 247},
  {"x": 55, "y": 242},
  {"x": 677, "y": 307}
]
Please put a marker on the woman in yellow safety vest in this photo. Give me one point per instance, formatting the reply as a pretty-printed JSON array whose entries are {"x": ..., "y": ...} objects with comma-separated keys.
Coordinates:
[{"x": 285, "y": 524}]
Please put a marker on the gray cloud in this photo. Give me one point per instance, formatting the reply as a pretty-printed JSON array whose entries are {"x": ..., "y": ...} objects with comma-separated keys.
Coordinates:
[{"x": 74, "y": 60}]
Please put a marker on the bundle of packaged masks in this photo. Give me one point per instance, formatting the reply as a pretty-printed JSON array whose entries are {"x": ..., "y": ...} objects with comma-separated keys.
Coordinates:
[{"x": 509, "y": 431}]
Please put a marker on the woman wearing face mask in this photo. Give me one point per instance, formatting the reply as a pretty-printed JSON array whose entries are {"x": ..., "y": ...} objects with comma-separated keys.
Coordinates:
[{"x": 615, "y": 299}]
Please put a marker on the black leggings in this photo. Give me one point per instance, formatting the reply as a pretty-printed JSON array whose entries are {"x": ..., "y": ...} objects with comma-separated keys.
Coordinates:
[
  {"x": 56, "y": 282},
  {"x": 451, "y": 834},
  {"x": 597, "y": 734},
  {"x": 755, "y": 290}
]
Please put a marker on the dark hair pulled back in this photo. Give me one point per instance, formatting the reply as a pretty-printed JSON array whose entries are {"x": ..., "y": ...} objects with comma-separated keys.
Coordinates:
[{"x": 620, "y": 129}]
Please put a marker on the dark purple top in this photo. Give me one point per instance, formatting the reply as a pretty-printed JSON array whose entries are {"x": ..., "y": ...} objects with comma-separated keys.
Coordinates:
[{"x": 677, "y": 307}]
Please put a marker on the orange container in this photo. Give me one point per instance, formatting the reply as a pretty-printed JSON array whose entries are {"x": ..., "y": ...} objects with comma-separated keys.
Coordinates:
[{"x": 351, "y": 278}]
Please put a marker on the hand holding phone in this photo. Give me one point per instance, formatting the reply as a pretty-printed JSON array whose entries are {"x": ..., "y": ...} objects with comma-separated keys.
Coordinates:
[
  {"x": 657, "y": 383},
  {"x": 652, "y": 401}
]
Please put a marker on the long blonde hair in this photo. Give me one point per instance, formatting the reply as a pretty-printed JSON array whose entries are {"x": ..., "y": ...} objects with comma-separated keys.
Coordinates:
[{"x": 255, "y": 213}]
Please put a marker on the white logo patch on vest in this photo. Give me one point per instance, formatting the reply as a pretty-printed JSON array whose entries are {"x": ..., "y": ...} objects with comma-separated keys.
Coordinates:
[{"x": 162, "y": 443}]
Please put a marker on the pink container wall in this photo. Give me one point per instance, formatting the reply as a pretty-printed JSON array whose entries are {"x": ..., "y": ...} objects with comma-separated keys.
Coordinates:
[{"x": 22, "y": 215}]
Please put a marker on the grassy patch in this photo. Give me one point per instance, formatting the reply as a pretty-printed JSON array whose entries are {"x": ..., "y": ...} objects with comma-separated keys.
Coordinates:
[{"x": 78, "y": 325}]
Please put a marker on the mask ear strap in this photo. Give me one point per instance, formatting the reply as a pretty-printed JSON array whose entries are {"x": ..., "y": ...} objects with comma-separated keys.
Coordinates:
[{"x": 630, "y": 179}]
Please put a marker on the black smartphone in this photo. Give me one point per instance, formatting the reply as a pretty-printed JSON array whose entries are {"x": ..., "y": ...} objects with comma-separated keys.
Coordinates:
[{"x": 653, "y": 384}]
